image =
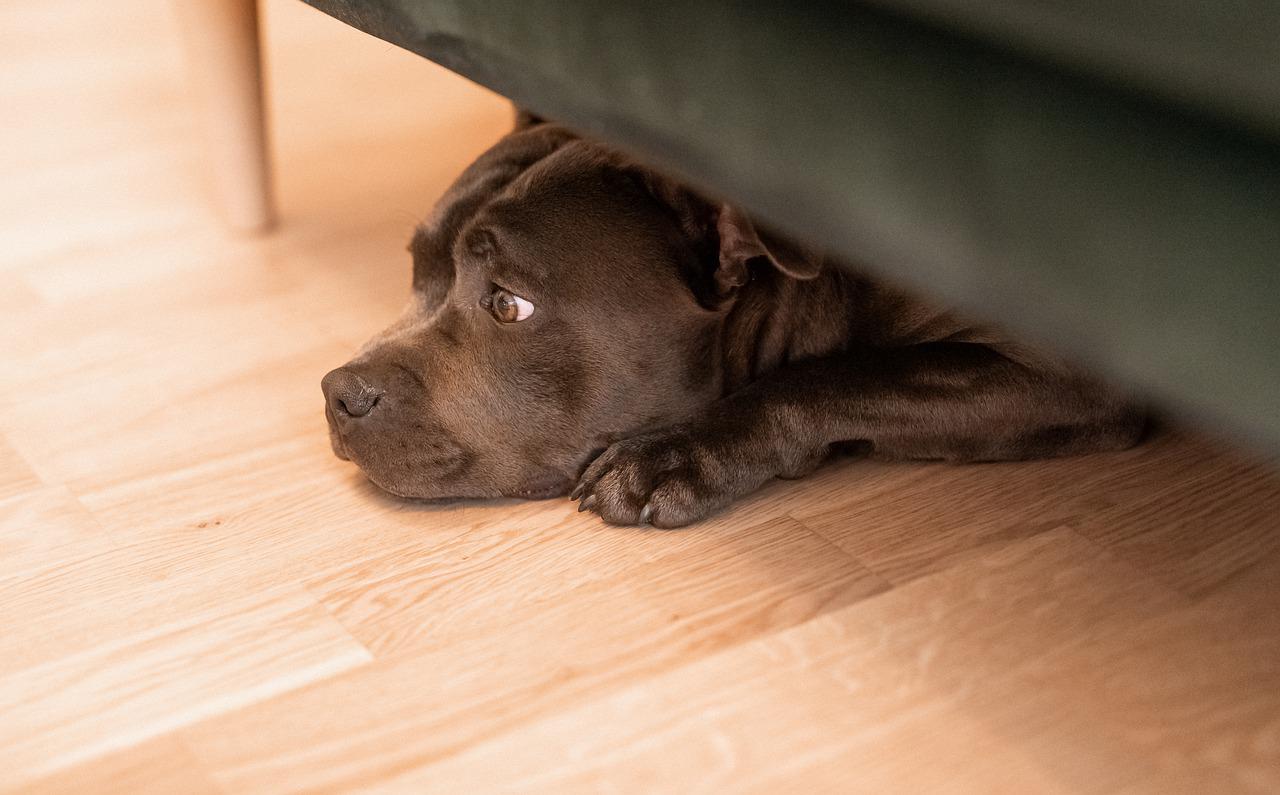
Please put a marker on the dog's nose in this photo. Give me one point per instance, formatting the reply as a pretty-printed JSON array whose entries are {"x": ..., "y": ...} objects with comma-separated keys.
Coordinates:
[{"x": 348, "y": 393}]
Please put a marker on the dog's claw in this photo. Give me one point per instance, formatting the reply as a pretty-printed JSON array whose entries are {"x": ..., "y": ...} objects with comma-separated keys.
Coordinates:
[
  {"x": 645, "y": 513},
  {"x": 587, "y": 504},
  {"x": 576, "y": 493}
]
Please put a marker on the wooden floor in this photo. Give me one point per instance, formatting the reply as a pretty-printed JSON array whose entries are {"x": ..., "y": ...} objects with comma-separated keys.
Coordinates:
[{"x": 197, "y": 597}]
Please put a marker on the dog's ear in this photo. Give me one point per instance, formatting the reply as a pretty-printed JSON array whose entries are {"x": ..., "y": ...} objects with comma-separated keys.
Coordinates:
[
  {"x": 726, "y": 242},
  {"x": 741, "y": 243}
]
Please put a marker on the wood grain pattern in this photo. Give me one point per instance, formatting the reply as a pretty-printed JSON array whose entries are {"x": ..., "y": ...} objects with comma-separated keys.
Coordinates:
[
  {"x": 929, "y": 665},
  {"x": 196, "y": 596},
  {"x": 46, "y": 527},
  {"x": 1197, "y": 528},
  {"x": 141, "y": 685},
  {"x": 162, "y": 766},
  {"x": 15, "y": 476},
  {"x": 922, "y": 666}
]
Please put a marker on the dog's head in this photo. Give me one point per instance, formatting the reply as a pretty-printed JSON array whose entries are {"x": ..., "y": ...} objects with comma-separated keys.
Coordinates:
[{"x": 563, "y": 297}]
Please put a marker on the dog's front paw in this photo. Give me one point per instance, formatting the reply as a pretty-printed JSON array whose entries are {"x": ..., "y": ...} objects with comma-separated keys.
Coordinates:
[{"x": 667, "y": 479}]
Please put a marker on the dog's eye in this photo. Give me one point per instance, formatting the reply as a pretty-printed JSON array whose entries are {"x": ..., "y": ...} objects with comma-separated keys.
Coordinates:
[{"x": 506, "y": 306}]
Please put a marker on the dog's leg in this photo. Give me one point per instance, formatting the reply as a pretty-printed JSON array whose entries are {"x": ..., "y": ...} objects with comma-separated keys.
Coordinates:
[{"x": 951, "y": 401}]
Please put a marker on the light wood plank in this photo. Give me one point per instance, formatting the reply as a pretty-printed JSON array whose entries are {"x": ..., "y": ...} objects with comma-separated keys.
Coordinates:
[
  {"x": 908, "y": 692},
  {"x": 1196, "y": 529},
  {"x": 586, "y": 615},
  {"x": 46, "y": 526},
  {"x": 434, "y": 598},
  {"x": 162, "y": 766},
  {"x": 143, "y": 685},
  {"x": 16, "y": 476},
  {"x": 909, "y": 519}
]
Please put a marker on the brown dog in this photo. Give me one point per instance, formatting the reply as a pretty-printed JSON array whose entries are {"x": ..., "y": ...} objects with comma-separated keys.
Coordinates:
[{"x": 581, "y": 322}]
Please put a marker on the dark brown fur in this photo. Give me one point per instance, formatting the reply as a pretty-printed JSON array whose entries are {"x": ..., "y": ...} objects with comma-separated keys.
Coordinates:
[{"x": 678, "y": 356}]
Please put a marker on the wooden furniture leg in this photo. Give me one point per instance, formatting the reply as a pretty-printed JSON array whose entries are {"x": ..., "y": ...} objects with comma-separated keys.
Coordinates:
[{"x": 221, "y": 38}]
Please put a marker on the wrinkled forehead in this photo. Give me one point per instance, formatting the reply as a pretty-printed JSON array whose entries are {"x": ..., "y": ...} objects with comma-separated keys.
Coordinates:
[
  {"x": 561, "y": 214},
  {"x": 563, "y": 197},
  {"x": 536, "y": 199},
  {"x": 570, "y": 221}
]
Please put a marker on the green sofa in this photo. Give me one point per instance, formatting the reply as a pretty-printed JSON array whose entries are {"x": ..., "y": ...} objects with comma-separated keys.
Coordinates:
[{"x": 1101, "y": 176}]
